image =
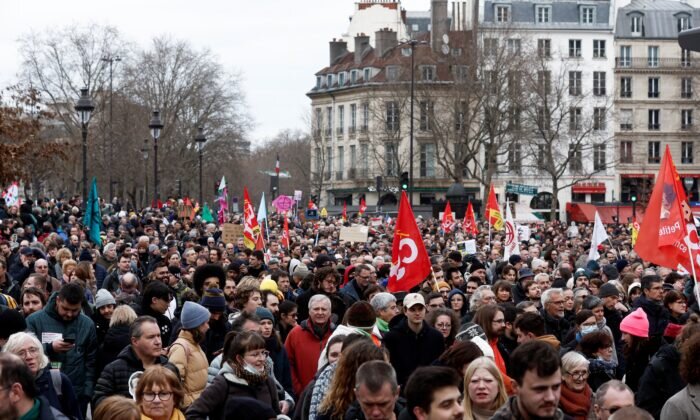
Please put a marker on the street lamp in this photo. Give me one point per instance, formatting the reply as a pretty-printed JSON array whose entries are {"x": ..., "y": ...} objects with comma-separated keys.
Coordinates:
[
  {"x": 144, "y": 152},
  {"x": 688, "y": 183},
  {"x": 634, "y": 206},
  {"x": 156, "y": 126},
  {"x": 200, "y": 139},
  {"x": 109, "y": 59},
  {"x": 84, "y": 107}
]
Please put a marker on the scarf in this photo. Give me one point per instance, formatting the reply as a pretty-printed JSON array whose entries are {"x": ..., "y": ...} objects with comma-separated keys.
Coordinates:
[
  {"x": 600, "y": 365},
  {"x": 382, "y": 325},
  {"x": 251, "y": 378},
  {"x": 574, "y": 403}
]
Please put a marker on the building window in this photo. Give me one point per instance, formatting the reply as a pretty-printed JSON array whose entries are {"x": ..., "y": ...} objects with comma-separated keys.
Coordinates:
[
  {"x": 515, "y": 157},
  {"x": 329, "y": 80},
  {"x": 366, "y": 74},
  {"x": 574, "y": 83},
  {"x": 459, "y": 116},
  {"x": 599, "y": 48},
  {"x": 491, "y": 80},
  {"x": 544, "y": 48},
  {"x": 514, "y": 82},
  {"x": 341, "y": 119},
  {"x": 687, "y": 152},
  {"x": 353, "y": 77},
  {"x": 353, "y": 162},
  {"x": 329, "y": 159},
  {"x": 686, "y": 119},
  {"x": 353, "y": 118},
  {"x": 599, "y": 163},
  {"x": 626, "y": 152},
  {"x": 427, "y": 73},
  {"x": 341, "y": 79},
  {"x": 415, "y": 27},
  {"x": 427, "y": 160},
  {"x": 341, "y": 163},
  {"x": 544, "y": 14},
  {"x": 653, "y": 87},
  {"x": 319, "y": 81},
  {"x": 625, "y": 56},
  {"x": 391, "y": 159},
  {"x": 654, "y": 152},
  {"x": 544, "y": 82},
  {"x": 502, "y": 13},
  {"x": 426, "y": 110},
  {"x": 587, "y": 15},
  {"x": 653, "y": 57},
  {"x": 599, "y": 83},
  {"x": 318, "y": 121},
  {"x": 636, "y": 28},
  {"x": 365, "y": 117},
  {"x": 574, "y": 48},
  {"x": 599, "y": 118},
  {"x": 514, "y": 118},
  {"x": 392, "y": 116},
  {"x": 462, "y": 73},
  {"x": 575, "y": 158},
  {"x": 490, "y": 47},
  {"x": 364, "y": 160},
  {"x": 544, "y": 121},
  {"x": 574, "y": 118},
  {"x": 654, "y": 121},
  {"x": 686, "y": 88},
  {"x": 683, "y": 23},
  {"x": 685, "y": 58},
  {"x": 392, "y": 73},
  {"x": 625, "y": 119},
  {"x": 513, "y": 45},
  {"x": 625, "y": 87},
  {"x": 329, "y": 120}
]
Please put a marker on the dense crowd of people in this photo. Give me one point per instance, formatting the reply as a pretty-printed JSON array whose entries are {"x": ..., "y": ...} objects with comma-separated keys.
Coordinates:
[{"x": 165, "y": 320}]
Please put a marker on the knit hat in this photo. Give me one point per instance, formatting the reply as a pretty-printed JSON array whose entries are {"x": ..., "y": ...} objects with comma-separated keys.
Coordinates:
[
  {"x": 636, "y": 324},
  {"x": 455, "y": 292},
  {"x": 361, "y": 315},
  {"x": 268, "y": 284},
  {"x": 632, "y": 286},
  {"x": 582, "y": 272},
  {"x": 301, "y": 270},
  {"x": 593, "y": 266},
  {"x": 85, "y": 255},
  {"x": 104, "y": 298},
  {"x": 11, "y": 322},
  {"x": 442, "y": 284},
  {"x": 514, "y": 259},
  {"x": 193, "y": 315},
  {"x": 607, "y": 290},
  {"x": 611, "y": 272},
  {"x": 213, "y": 299},
  {"x": 264, "y": 313},
  {"x": 621, "y": 264},
  {"x": 476, "y": 265}
]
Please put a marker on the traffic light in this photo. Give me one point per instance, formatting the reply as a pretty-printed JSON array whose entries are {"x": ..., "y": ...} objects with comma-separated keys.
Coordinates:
[{"x": 404, "y": 181}]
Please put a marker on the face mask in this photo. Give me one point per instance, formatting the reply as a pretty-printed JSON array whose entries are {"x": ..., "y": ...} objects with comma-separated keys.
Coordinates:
[
  {"x": 602, "y": 324},
  {"x": 588, "y": 330},
  {"x": 250, "y": 369}
]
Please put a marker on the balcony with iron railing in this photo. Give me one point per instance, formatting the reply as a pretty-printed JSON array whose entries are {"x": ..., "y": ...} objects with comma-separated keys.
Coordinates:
[{"x": 655, "y": 63}]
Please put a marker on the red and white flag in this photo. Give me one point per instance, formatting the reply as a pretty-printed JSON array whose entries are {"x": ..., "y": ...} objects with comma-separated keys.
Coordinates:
[
  {"x": 409, "y": 260},
  {"x": 285, "y": 234},
  {"x": 510, "y": 242},
  {"x": 667, "y": 235},
  {"x": 277, "y": 165},
  {"x": 448, "y": 219},
  {"x": 363, "y": 206},
  {"x": 469, "y": 224},
  {"x": 345, "y": 211},
  {"x": 252, "y": 238}
]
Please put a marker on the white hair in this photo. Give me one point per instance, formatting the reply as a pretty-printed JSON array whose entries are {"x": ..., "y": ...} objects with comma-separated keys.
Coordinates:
[
  {"x": 572, "y": 360},
  {"x": 382, "y": 300},
  {"x": 475, "y": 300},
  {"x": 16, "y": 340},
  {"x": 547, "y": 295},
  {"x": 319, "y": 298}
]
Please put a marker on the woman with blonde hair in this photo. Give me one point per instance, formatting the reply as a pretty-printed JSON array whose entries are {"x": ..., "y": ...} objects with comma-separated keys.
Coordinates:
[
  {"x": 484, "y": 389},
  {"x": 62, "y": 255},
  {"x": 67, "y": 268},
  {"x": 117, "y": 336},
  {"x": 117, "y": 407},
  {"x": 159, "y": 394}
]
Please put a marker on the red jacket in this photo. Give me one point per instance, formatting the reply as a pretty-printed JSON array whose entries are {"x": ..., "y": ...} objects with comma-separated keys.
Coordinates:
[{"x": 304, "y": 348}]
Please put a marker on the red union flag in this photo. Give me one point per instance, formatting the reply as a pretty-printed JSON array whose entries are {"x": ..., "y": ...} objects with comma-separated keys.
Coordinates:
[
  {"x": 409, "y": 260},
  {"x": 363, "y": 206},
  {"x": 448, "y": 219},
  {"x": 251, "y": 229},
  {"x": 469, "y": 224},
  {"x": 667, "y": 235},
  {"x": 285, "y": 234},
  {"x": 493, "y": 212}
]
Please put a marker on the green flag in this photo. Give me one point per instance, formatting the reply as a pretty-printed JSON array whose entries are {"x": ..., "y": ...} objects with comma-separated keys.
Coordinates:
[
  {"x": 206, "y": 214},
  {"x": 93, "y": 218}
]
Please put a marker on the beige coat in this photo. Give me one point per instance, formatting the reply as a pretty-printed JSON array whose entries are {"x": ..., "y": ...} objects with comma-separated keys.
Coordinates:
[{"x": 192, "y": 364}]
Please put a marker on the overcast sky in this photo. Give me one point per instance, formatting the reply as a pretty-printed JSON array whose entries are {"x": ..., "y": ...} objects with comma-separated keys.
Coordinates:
[{"x": 276, "y": 45}]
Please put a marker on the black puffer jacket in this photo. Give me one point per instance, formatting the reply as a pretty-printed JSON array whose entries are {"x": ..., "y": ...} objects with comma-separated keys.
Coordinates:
[
  {"x": 115, "y": 376},
  {"x": 116, "y": 339},
  {"x": 558, "y": 327},
  {"x": 660, "y": 381},
  {"x": 657, "y": 315}
]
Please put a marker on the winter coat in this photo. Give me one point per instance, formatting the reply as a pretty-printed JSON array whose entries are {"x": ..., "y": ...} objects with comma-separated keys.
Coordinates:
[
  {"x": 48, "y": 412},
  {"x": 660, "y": 380},
  {"x": 176, "y": 415},
  {"x": 115, "y": 376},
  {"x": 214, "y": 339},
  {"x": 425, "y": 347},
  {"x": 303, "y": 350},
  {"x": 280, "y": 360},
  {"x": 226, "y": 385},
  {"x": 101, "y": 326},
  {"x": 657, "y": 315},
  {"x": 510, "y": 411},
  {"x": 66, "y": 403},
  {"x": 115, "y": 340},
  {"x": 351, "y": 291},
  {"x": 192, "y": 364},
  {"x": 338, "y": 304},
  {"x": 354, "y": 412},
  {"x": 79, "y": 362},
  {"x": 558, "y": 327},
  {"x": 685, "y": 405}
]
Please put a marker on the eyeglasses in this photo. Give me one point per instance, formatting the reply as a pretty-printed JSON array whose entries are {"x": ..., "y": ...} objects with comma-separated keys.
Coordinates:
[
  {"x": 163, "y": 396},
  {"x": 578, "y": 375},
  {"x": 33, "y": 351},
  {"x": 255, "y": 354},
  {"x": 443, "y": 326}
]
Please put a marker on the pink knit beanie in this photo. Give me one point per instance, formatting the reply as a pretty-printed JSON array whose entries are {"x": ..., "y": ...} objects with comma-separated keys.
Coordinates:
[{"x": 636, "y": 324}]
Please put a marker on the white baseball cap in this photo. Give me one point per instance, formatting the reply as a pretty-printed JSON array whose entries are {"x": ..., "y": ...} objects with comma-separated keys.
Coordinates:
[{"x": 412, "y": 299}]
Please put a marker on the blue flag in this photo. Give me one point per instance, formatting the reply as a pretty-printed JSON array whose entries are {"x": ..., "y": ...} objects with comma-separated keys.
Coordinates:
[{"x": 93, "y": 218}]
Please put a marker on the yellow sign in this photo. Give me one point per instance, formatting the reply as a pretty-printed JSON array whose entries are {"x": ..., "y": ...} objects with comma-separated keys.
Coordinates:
[{"x": 324, "y": 212}]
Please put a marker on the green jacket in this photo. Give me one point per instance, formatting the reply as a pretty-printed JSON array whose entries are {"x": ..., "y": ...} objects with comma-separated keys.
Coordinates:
[{"x": 78, "y": 363}]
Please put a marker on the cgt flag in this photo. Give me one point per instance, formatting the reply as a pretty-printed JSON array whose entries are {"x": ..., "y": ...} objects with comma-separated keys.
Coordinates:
[
  {"x": 448, "y": 219},
  {"x": 409, "y": 260},
  {"x": 510, "y": 243},
  {"x": 363, "y": 206},
  {"x": 667, "y": 235},
  {"x": 251, "y": 229},
  {"x": 493, "y": 212},
  {"x": 285, "y": 234},
  {"x": 469, "y": 224}
]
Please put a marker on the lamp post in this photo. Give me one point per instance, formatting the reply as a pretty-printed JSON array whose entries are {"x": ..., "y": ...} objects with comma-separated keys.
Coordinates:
[
  {"x": 156, "y": 126},
  {"x": 84, "y": 107},
  {"x": 634, "y": 206},
  {"x": 144, "y": 152},
  {"x": 200, "y": 139},
  {"x": 109, "y": 59},
  {"x": 688, "y": 183}
]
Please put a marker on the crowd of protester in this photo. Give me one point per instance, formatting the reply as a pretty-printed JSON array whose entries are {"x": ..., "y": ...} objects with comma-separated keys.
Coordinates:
[{"x": 166, "y": 320}]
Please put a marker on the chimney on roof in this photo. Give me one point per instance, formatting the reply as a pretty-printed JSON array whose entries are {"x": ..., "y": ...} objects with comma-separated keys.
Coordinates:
[
  {"x": 438, "y": 23},
  {"x": 361, "y": 44},
  {"x": 337, "y": 49},
  {"x": 384, "y": 40}
]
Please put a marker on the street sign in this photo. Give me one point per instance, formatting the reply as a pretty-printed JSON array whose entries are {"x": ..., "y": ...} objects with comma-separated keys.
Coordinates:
[{"x": 521, "y": 189}]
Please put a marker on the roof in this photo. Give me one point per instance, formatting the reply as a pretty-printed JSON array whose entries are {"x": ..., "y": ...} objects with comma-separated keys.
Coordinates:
[
  {"x": 659, "y": 18},
  {"x": 523, "y": 13}
]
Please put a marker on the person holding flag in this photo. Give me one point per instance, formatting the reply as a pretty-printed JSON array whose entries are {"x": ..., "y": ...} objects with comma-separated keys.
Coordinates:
[
  {"x": 448, "y": 219},
  {"x": 469, "y": 225},
  {"x": 252, "y": 237},
  {"x": 363, "y": 207},
  {"x": 493, "y": 211}
]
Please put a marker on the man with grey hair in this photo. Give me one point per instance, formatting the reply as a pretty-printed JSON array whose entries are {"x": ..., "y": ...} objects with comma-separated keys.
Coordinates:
[
  {"x": 376, "y": 392},
  {"x": 610, "y": 397},
  {"x": 553, "y": 313},
  {"x": 41, "y": 266},
  {"x": 385, "y": 307},
  {"x": 483, "y": 295},
  {"x": 108, "y": 259},
  {"x": 305, "y": 342}
]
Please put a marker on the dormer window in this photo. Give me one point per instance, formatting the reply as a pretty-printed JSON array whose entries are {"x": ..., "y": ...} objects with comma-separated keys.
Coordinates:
[
  {"x": 329, "y": 80},
  {"x": 502, "y": 13},
  {"x": 392, "y": 73},
  {"x": 367, "y": 74},
  {"x": 353, "y": 77},
  {"x": 683, "y": 23},
  {"x": 341, "y": 79},
  {"x": 427, "y": 73},
  {"x": 544, "y": 14},
  {"x": 636, "y": 22},
  {"x": 319, "y": 80},
  {"x": 587, "y": 15}
]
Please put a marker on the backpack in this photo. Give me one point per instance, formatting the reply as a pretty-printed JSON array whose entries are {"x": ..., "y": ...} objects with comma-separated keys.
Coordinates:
[
  {"x": 8, "y": 301},
  {"x": 57, "y": 381}
]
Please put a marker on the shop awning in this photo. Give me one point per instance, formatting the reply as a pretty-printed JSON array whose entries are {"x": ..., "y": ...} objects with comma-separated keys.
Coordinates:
[
  {"x": 589, "y": 188},
  {"x": 585, "y": 212}
]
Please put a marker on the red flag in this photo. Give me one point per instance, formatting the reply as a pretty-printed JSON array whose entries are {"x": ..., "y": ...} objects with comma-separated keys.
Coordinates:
[
  {"x": 345, "y": 210},
  {"x": 409, "y": 260},
  {"x": 469, "y": 224},
  {"x": 285, "y": 234},
  {"x": 363, "y": 206},
  {"x": 277, "y": 165},
  {"x": 312, "y": 206},
  {"x": 251, "y": 229},
  {"x": 448, "y": 219},
  {"x": 667, "y": 235},
  {"x": 493, "y": 212}
]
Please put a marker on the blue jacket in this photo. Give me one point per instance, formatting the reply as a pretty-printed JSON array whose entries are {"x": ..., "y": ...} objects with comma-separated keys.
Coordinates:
[{"x": 66, "y": 403}]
